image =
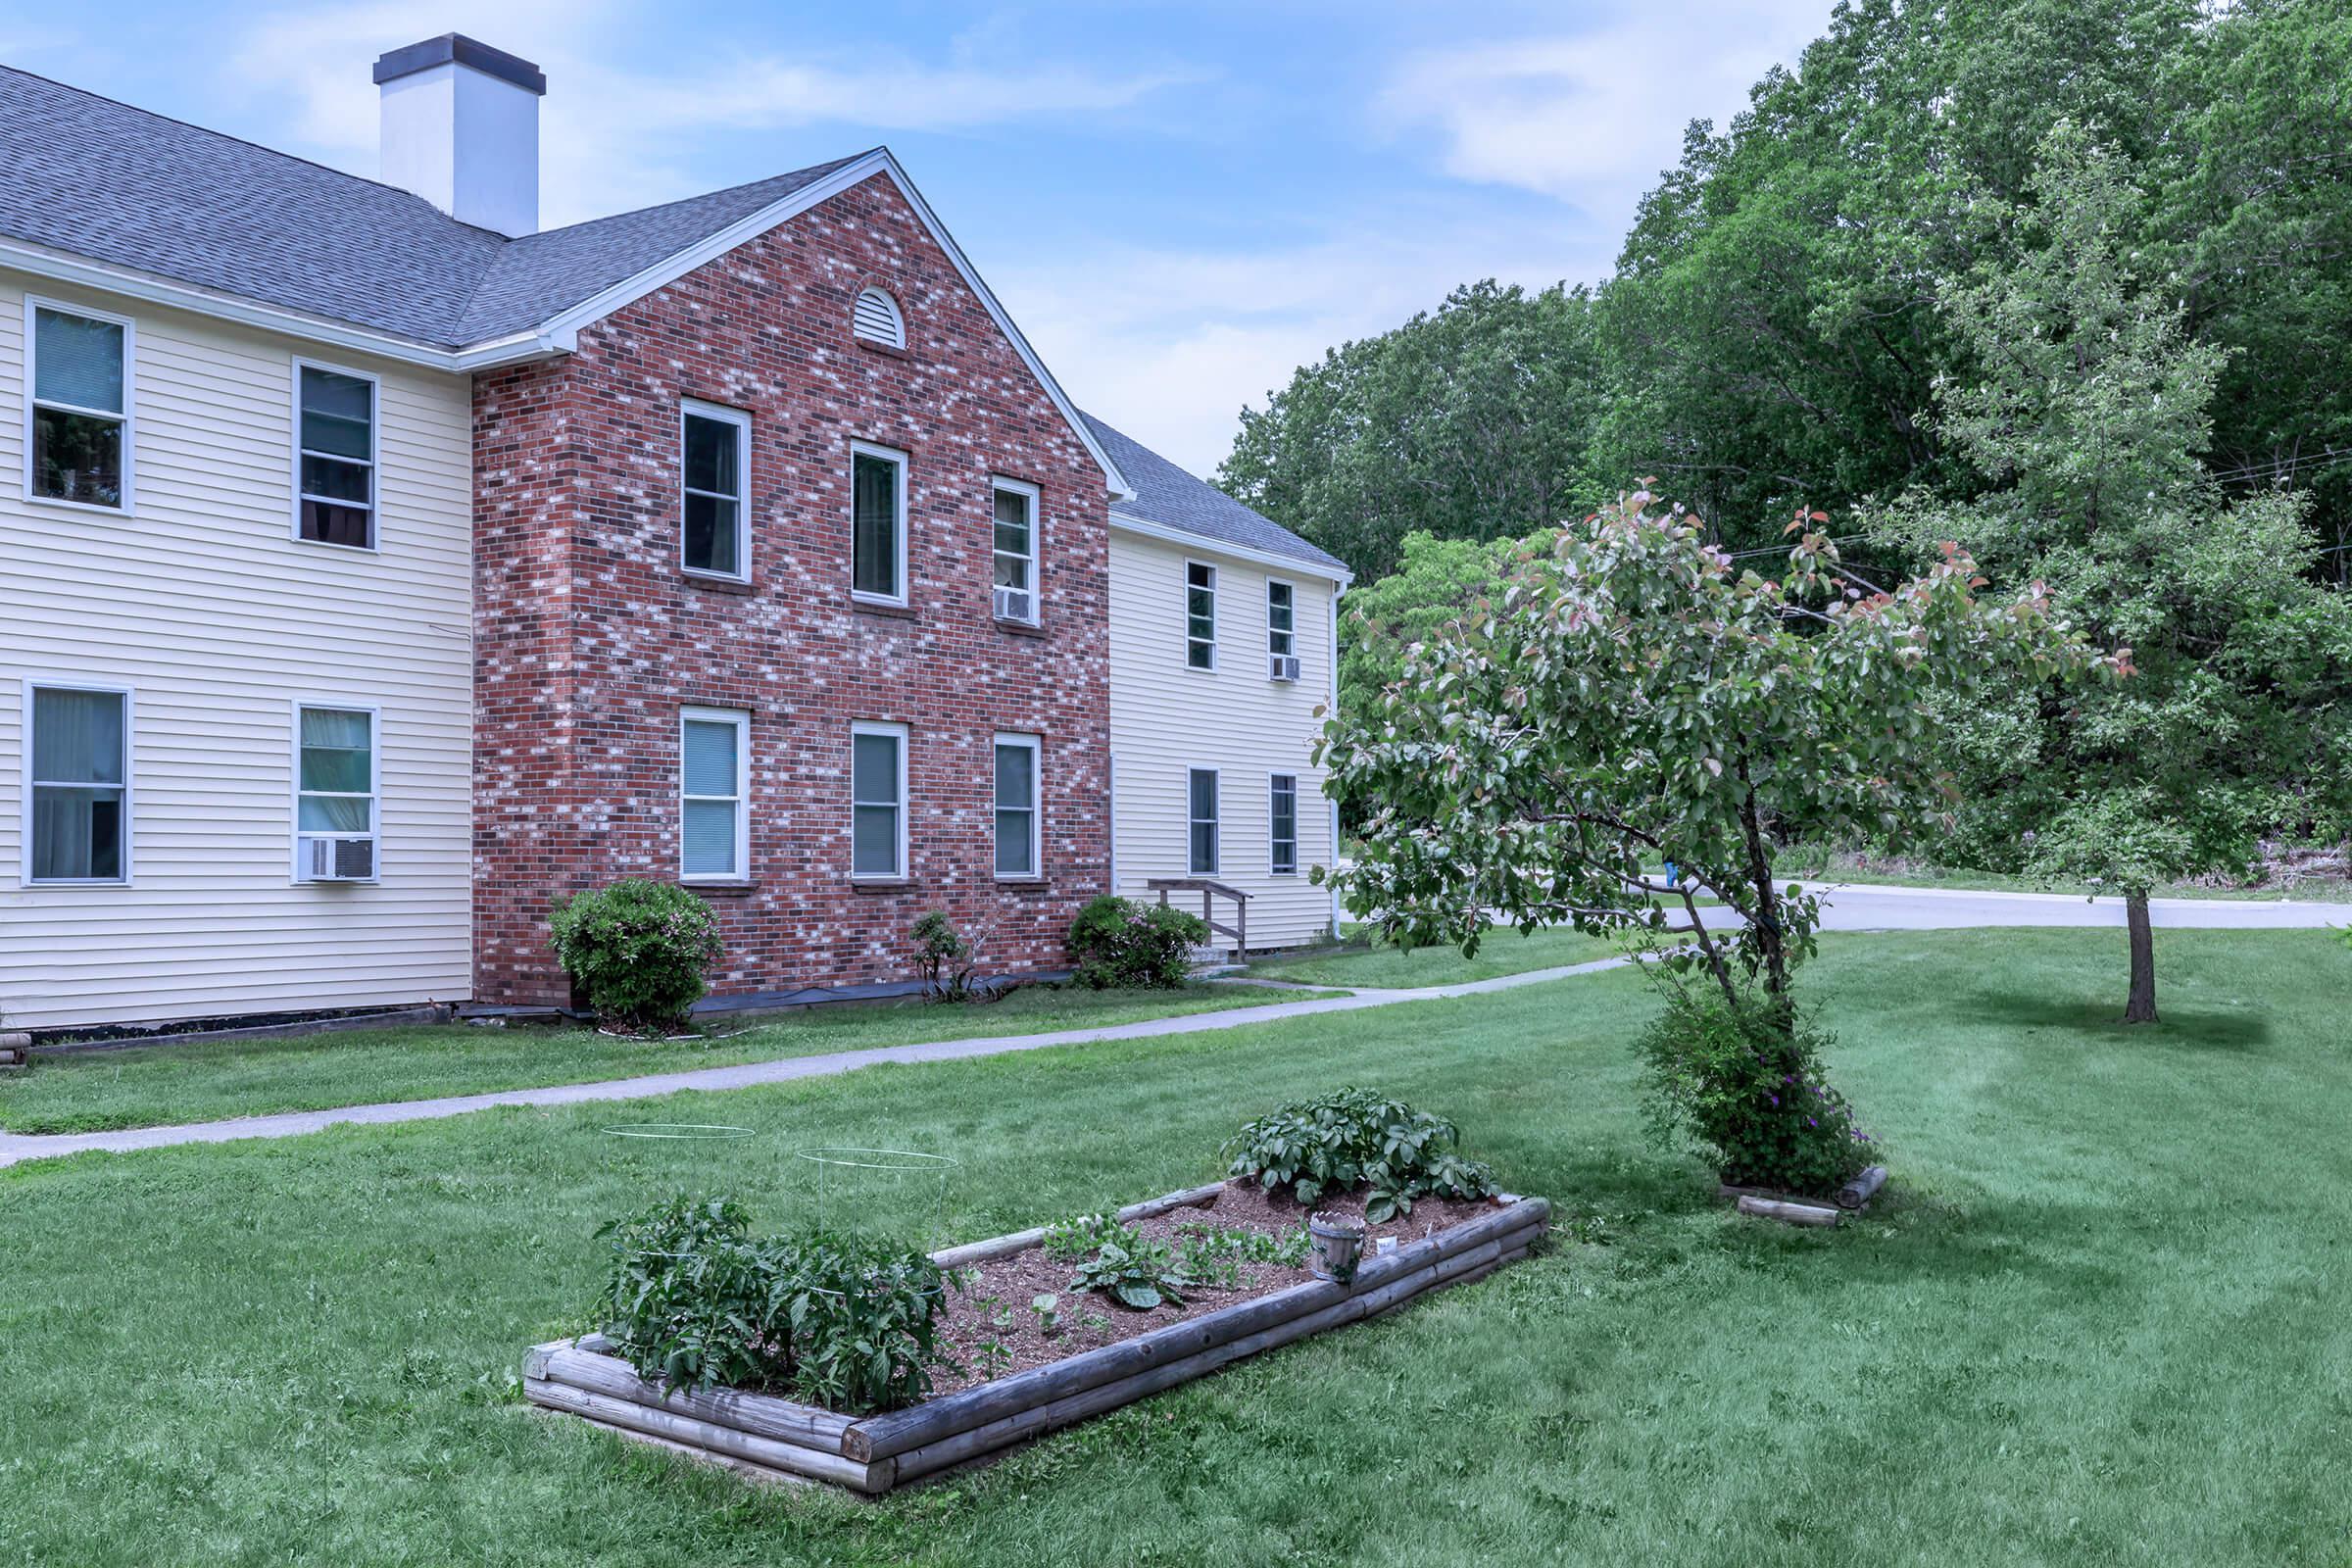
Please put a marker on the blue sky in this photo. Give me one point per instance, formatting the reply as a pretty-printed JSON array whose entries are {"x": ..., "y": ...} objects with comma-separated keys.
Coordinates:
[{"x": 1178, "y": 202}]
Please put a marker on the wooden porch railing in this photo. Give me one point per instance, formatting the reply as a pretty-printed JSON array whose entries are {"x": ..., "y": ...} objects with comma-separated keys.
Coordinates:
[{"x": 1209, "y": 890}]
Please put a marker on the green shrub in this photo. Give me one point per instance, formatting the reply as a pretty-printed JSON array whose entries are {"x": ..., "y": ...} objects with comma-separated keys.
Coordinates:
[
  {"x": 946, "y": 958},
  {"x": 1354, "y": 1138},
  {"x": 639, "y": 950},
  {"x": 1742, "y": 1083},
  {"x": 692, "y": 1301},
  {"x": 1121, "y": 943}
]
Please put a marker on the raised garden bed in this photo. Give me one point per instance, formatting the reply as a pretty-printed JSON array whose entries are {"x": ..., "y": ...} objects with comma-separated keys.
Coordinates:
[
  {"x": 1797, "y": 1208},
  {"x": 1062, "y": 1376}
]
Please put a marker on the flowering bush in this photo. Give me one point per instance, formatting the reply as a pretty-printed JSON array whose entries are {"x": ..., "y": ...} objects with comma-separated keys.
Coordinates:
[
  {"x": 638, "y": 948},
  {"x": 1121, "y": 943},
  {"x": 1744, "y": 1083}
]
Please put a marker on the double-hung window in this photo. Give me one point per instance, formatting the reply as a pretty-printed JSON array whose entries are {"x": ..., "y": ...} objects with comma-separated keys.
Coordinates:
[
  {"x": 334, "y": 457},
  {"x": 714, "y": 793},
  {"x": 1015, "y": 588},
  {"x": 1283, "y": 826},
  {"x": 1282, "y": 641},
  {"x": 877, "y": 523},
  {"x": 715, "y": 537},
  {"x": 335, "y": 817},
  {"x": 78, "y": 422},
  {"x": 1202, "y": 812},
  {"x": 1016, "y": 807},
  {"x": 1199, "y": 615},
  {"x": 878, "y": 800},
  {"x": 77, "y": 776}
]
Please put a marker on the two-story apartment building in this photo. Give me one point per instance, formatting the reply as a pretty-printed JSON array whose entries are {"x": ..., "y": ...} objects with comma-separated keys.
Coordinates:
[{"x": 377, "y": 568}]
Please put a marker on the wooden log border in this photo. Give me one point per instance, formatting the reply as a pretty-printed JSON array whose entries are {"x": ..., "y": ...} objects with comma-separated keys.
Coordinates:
[{"x": 762, "y": 1436}]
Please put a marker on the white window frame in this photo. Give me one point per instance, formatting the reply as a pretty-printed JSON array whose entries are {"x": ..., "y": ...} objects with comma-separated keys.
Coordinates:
[
  {"x": 1036, "y": 556},
  {"x": 376, "y": 791},
  {"x": 1035, "y": 745},
  {"x": 897, "y": 732},
  {"x": 1274, "y": 867},
  {"x": 130, "y": 696},
  {"x": 33, "y": 304},
  {"x": 1186, "y": 604},
  {"x": 718, "y": 414},
  {"x": 376, "y": 451},
  {"x": 1291, "y": 636},
  {"x": 740, "y": 870},
  {"x": 906, "y": 466},
  {"x": 1216, "y": 823}
]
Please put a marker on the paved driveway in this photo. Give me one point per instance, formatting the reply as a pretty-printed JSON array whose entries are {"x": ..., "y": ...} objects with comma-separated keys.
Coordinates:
[{"x": 1861, "y": 907}]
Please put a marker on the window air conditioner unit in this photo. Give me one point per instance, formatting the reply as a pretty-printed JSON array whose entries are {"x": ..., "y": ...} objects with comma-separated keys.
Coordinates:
[
  {"x": 1017, "y": 604},
  {"x": 332, "y": 859},
  {"x": 1282, "y": 667}
]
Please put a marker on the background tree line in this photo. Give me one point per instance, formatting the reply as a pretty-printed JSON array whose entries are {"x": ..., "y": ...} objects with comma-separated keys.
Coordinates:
[
  {"x": 2062, "y": 282},
  {"x": 1779, "y": 318}
]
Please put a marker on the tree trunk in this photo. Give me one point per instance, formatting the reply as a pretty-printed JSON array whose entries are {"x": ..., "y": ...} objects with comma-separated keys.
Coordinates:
[{"x": 2141, "y": 1009}]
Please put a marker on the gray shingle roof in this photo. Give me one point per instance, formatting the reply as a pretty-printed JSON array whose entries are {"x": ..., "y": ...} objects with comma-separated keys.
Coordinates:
[
  {"x": 1172, "y": 498},
  {"x": 100, "y": 179}
]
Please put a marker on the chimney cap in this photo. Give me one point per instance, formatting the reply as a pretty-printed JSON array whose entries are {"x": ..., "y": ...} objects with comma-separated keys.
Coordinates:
[{"x": 457, "y": 48}]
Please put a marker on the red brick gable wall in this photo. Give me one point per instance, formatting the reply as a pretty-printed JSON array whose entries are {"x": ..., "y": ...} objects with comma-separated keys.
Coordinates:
[{"x": 589, "y": 638}]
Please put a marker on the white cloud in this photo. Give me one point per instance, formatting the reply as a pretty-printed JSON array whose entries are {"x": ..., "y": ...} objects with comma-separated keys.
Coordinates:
[
  {"x": 615, "y": 136},
  {"x": 1594, "y": 116}
]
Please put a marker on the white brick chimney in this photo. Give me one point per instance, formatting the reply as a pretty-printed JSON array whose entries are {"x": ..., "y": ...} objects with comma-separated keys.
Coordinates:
[{"x": 460, "y": 129}]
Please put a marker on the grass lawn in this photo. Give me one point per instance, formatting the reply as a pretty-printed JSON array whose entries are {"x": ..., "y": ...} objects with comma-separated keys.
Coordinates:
[
  {"x": 1379, "y": 965},
  {"x": 2101, "y": 1320},
  {"x": 134, "y": 1086}
]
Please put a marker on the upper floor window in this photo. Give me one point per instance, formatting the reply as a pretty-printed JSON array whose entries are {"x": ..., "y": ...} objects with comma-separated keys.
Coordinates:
[
  {"x": 878, "y": 524},
  {"x": 334, "y": 457},
  {"x": 876, "y": 318},
  {"x": 1016, "y": 807},
  {"x": 1199, "y": 615},
  {"x": 714, "y": 793},
  {"x": 335, "y": 824},
  {"x": 878, "y": 799},
  {"x": 79, "y": 415},
  {"x": 1202, "y": 814},
  {"x": 79, "y": 771},
  {"x": 715, "y": 539},
  {"x": 1281, "y": 642},
  {"x": 1015, "y": 591}
]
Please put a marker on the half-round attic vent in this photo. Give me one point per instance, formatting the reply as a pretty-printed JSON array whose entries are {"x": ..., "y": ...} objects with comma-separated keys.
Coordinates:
[{"x": 877, "y": 319}]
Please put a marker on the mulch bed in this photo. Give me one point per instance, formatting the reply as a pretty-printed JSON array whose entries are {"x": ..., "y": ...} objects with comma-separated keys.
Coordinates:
[{"x": 993, "y": 1308}]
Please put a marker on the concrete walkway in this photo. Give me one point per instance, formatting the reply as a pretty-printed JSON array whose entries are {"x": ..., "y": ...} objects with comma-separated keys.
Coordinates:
[{"x": 16, "y": 1147}]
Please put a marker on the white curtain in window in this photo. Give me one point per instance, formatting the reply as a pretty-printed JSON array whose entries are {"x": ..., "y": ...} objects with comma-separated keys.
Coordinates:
[
  {"x": 77, "y": 775},
  {"x": 710, "y": 770},
  {"x": 338, "y": 771},
  {"x": 78, "y": 361}
]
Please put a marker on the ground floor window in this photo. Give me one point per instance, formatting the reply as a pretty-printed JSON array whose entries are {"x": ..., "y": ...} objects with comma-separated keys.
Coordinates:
[
  {"x": 1204, "y": 821},
  {"x": 78, "y": 827},
  {"x": 1016, "y": 806},
  {"x": 1284, "y": 825},
  {"x": 713, "y": 773},
  {"x": 878, "y": 799},
  {"x": 334, "y": 794}
]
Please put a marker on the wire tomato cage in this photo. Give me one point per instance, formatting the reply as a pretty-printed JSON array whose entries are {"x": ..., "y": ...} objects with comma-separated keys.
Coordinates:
[{"x": 854, "y": 1185}]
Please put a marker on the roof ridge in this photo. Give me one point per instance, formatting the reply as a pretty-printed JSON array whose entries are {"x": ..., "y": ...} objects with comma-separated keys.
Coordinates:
[
  {"x": 242, "y": 141},
  {"x": 827, "y": 166}
]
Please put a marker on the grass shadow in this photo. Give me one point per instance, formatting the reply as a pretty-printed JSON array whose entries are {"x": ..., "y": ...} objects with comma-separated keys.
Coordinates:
[{"x": 2210, "y": 1028}]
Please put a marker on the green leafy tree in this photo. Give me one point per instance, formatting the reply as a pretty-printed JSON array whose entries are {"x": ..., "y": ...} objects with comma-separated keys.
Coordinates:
[
  {"x": 1636, "y": 697},
  {"x": 1468, "y": 423},
  {"x": 2086, "y": 417},
  {"x": 1437, "y": 582}
]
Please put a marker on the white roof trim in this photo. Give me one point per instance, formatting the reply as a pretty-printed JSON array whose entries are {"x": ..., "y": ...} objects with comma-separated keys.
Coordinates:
[
  {"x": 743, "y": 230},
  {"x": 1209, "y": 544}
]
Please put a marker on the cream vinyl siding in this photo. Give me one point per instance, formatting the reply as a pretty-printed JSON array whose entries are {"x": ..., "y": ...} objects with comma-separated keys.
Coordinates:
[
  {"x": 1167, "y": 720},
  {"x": 205, "y": 604}
]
